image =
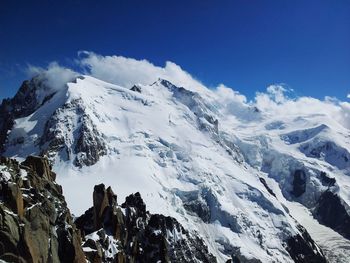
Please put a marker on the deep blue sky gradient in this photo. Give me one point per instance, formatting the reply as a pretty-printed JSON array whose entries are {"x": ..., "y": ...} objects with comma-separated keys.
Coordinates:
[{"x": 245, "y": 44}]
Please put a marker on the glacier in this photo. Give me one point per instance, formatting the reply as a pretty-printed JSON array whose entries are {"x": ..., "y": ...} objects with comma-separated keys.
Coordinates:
[{"x": 244, "y": 176}]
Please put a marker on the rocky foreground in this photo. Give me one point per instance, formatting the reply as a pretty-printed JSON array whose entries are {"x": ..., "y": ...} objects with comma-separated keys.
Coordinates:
[
  {"x": 37, "y": 226},
  {"x": 35, "y": 223}
]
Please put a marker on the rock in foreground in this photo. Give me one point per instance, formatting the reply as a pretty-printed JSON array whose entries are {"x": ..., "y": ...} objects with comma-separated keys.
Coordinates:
[
  {"x": 35, "y": 223},
  {"x": 129, "y": 233},
  {"x": 36, "y": 226}
]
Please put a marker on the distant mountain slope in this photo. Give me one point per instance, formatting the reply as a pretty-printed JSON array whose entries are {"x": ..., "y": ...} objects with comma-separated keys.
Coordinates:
[{"x": 237, "y": 177}]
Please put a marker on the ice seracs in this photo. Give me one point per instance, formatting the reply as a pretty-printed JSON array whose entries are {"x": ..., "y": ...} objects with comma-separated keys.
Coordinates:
[{"x": 230, "y": 173}]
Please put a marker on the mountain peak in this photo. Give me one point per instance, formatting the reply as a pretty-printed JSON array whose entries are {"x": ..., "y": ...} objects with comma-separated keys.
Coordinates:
[
  {"x": 233, "y": 175},
  {"x": 164, "y": 82}
]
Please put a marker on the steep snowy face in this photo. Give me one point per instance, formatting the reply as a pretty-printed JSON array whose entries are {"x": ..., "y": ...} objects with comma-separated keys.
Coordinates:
[
  {"x": 236, "y": 177},
  {"x": 50, "y": 122},
  {"x": 30, "y": 97}
]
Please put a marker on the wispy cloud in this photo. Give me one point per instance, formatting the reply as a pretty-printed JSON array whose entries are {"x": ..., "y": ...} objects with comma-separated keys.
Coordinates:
[
  {"x": 275, "y": 103},
  {"x": 54, "y": 76},
  {"x": 126, "y": 72}
]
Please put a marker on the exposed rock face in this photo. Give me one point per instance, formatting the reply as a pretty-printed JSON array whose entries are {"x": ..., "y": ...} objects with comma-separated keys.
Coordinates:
[
  {"x": 41, "y": 166},
  {"x": 54, "y": 136},
  {"x": 89, "y": 146},
  {"x": 332, "y": 213},
  {"x": 25, "y": 102},
  {"x": 196, "y": 203},
  {"x": 35, "y": 223},
  {"x": 299, "y": 183},
  {"x": 136, "y": 88},
  {"x": 263, "y": 181},
  {"x": 303, "y": 249},
  {"x": 326, "y": 180},
  {"x": 100, "y": 203},
  {"x": 84, "y": 148},
  {"x": 131, "y": 234},
  {"x": 54, "y": 139},
  {"x": 6, "y": 123},
  {"x": 128, "y": 233}
]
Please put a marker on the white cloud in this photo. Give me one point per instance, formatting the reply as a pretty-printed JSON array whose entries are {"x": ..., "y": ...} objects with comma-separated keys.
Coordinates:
[
  {"x": 128, "y": 71},
  {"x": 54, "y": 76},
  {"x": 275, "y": 103},
  {"x": 228, "y": 95},
  {"x": 232, "y": 102},
  {"x": 348, "y": 96},
  {"x": 277, "y": 93}
]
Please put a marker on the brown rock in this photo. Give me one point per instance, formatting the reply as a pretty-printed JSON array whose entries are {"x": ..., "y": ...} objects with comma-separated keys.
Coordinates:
[
  {"x": 43, "y": 230},
  {"x": 36, "y": 232},
  {"x": 100, "y": 200},
  {"x": 41, "y": 166},
  {"x": 112, "y": 198},
  {"x": 79, "y": 256},
  {"x": 14, "y": 198}
]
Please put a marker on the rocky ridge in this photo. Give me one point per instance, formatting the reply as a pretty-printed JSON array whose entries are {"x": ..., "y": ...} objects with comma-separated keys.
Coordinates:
[
  {"x": 129, "y": 233},
  {"x": 208, "y": 168},
  {"x": 84, "y": 149},
  {"x": 35, "y": 223}
]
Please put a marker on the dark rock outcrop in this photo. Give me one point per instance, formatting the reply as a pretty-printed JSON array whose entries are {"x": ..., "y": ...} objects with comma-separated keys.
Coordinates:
[
  {"x": 134, "y": 234},
  {"x": 327, "y": 181},
  {"x": 299, "y": 183},
  {"x": 35, "y": 223},
  {"x": 303, "y": 249},
  {"x": 200, "y": 208},
  {"x": 263, "y": 181},
  {"x": 41, "y": 166},
  {"x": 24, "y": 103},
  {"x": 100, "y": 201},
  {"x": 331, "y": 212},
  {"x": 136, "y": 88},
  {"x": 87, "y": 146}
]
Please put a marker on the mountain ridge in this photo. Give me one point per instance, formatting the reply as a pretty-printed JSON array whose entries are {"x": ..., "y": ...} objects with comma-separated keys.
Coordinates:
[
  {"x": 219, "y": 171},
  {"x": 37, "y": 226}
]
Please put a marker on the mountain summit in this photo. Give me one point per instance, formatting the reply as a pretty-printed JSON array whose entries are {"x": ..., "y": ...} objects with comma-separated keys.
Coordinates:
[{"x": 253, "y": 186}]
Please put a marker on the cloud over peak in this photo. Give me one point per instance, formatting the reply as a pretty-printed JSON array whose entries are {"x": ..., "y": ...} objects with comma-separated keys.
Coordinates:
[
  {"x": 54, "y": 76},
  {"x": 126, "y": 72}
]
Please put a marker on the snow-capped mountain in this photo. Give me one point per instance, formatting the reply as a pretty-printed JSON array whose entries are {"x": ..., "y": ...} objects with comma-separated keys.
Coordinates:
[{"x": 255, "y": 186}]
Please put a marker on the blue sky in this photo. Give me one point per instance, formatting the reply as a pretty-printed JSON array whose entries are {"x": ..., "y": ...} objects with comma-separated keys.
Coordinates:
[{"x": 247, "y": 45}]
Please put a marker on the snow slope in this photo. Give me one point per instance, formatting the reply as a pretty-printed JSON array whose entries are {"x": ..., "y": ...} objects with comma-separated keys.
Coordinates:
[{"x": 195, "y": 159}]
